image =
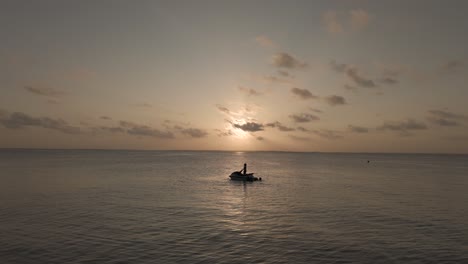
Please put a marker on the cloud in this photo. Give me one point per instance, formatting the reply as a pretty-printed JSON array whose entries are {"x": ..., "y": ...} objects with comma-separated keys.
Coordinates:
[
  {"x": 388, "y": 80},
  {"x": 358, "y": 129},
  {"x": 340, "y": 22},
  {"x": 452, "y": 66},
  {"x": 350, "y": 87},
  {"x": 259, "y": 138},
  {"x": 105, "y": 118},
  {"x": 143, "y": 130},
  {"x": 249, "y": 91},
  {"x": 359, "y": 19},
  {"x": 223, "y": 109},
  {"x": 285, "y": 60},
  {"x": 354, "y": 75},
  {"x": 358, "y": 79},
  {"x": 335, "y": 100},
  {"x": 194, "y": 132},
  {"x": 303, "y": 93},
  {"x": 274, "y": 79},
  {"x": 402, "y": 126},
  {"x": 303, "y": 117},
  {"x": 446, "y": 118},
  {"x": 143, "y": 105},
  {"x": 328, "y": 134},
  {"x": 224, "y": 133},
  {"x": 298, "y": 138},
  {"x": 338, "y": 67},
  {"x": 249, "y": 126},
  {"x": 44, "y": 91},
  {"x": 111, "y": 129},
  {"x": 19, "y": 120},
  {"x": 331, "y": 22},
  {"x": 284, "y": 73},
  {"x": 316, "y": 110},
  {"x": 265, "y": 42},
  {"x": 280, "y": 126}
]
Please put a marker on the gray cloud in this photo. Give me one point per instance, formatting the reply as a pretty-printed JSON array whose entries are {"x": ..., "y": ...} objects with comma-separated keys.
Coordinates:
[
  {"x": 452, "y": 66},
  {"x": 388, "y": 80},
  {"x": 105, "y": 118},
  {"x": 358, "y": 129},
  {"x": 285, "y": 60},
  {"x": 280, "y": 126},
  {"x": 274, "y": 79},
  {"x": 284, "y": 73},
  {"x": 249, "y": 126},
  {"x": 446, "y": 118},
  {"x": 316, "y": 110},
  {"x": 353, "y": 74},
  {"x": 19, "y": 120},
  {"x": 259, "y": 138},
  {"x": 303, "y": 93},
  {"x": 143, "y": 130},
  {"x": 298, "y": 138},
  {"x": 328, "y": 134},
  {"x": 194, "y": 132},
  {"x": 360, "y": 80},
  {"x": 44, "y": 91},
  {"x": 110, "y": 129},
  {"x": 249, "y": 91},
  {"x": 224, "y": 133},
  {"x": 143, "y": 105},
  {"x": 335, "y": 100},
  {"x": 403, "y": 126},
  {"x": 303, "y": 117},
  {"x": 338, "y": 67},
  {"x": 223, "y": 109}
]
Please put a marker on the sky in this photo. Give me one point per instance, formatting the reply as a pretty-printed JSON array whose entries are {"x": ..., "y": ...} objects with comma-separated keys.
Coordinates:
[{"x": 328, "y": 76}]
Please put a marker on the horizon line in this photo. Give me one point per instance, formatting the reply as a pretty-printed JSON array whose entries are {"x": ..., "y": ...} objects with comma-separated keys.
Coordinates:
[{"x": 218, "y": 150}]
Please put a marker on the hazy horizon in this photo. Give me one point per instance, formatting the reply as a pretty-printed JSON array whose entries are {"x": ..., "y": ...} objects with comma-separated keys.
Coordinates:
[{"x": 324, "y": 76}]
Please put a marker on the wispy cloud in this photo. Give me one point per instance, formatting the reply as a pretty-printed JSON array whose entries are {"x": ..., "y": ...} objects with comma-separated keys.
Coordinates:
[
  {"x": 404, "y": 127},
  {"x": 358, "y": 129},
  {"x": 354, "y": 75},
  {"x": 335, "y": 100},
  {"x": 446, "y": 118},
  {"x": 453, "y": 66},
  {"x": 223, "y": 109},
  {"x": 336, "y": 22},
  {"x": 303, "y": 117},
  {"x": 327, "y": 134},
  {"x": 285, "y": 60},
  {"x": 105, "y": 118},
  {"x": 332, "y": 23},
  {"x": 18, "y": 120},
  {"x": 144, "y": 130},
  {"x": 249, "y": 126},
  {"x": 249, "y": 91},
  {"x": 359, "y": 19},
  {"x": 303, "y": 93},
  {"x": 299, "y": 138},
  {"x": 265, "y": 42},
  {"x": 194, "y": 132},
  {"x": 143, "y": 105},
  {"x": 279, "y": 126},
  {"x": 44, "y": 91}
]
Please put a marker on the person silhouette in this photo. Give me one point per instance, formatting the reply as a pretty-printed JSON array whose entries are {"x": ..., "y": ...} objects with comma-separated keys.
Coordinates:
[{"x": 244, "y": 170}]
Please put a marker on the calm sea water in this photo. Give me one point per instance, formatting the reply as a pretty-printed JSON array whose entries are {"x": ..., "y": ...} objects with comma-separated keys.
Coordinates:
[{"x": 179, "y": 207}]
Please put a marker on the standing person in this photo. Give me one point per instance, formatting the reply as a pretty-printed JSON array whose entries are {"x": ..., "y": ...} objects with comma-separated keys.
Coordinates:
[{"x": 244, "y": 170}]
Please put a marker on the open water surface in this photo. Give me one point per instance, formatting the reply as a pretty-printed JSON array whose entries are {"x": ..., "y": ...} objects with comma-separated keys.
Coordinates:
[{"x": 84, "y": 206}]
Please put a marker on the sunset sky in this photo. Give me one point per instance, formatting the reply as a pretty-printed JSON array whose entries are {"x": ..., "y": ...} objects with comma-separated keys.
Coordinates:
[{"x": 341, "y": 76}]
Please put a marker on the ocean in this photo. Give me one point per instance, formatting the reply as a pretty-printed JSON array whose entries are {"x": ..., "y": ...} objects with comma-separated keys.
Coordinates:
[{"x": 108, "y": 206}]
